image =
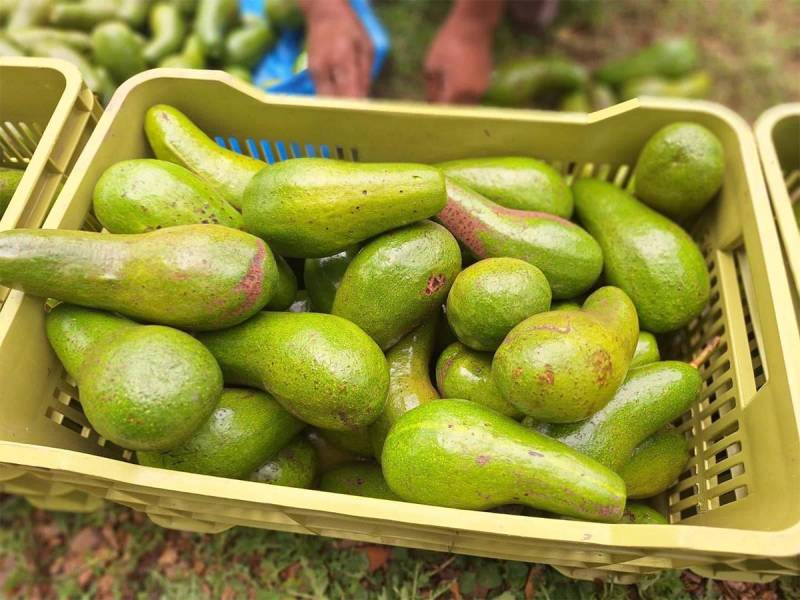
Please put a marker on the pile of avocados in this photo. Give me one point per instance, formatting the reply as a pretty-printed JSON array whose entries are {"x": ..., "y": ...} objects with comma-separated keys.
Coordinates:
[{"x": 459, "y": 340}]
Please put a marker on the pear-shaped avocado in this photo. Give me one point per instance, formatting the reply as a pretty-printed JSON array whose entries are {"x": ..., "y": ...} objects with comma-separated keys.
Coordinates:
[
  {"x": 563, "y": 366},
  {"x": 680, "y": 170},
  {"x": 646, "y": 350},
  {"x": 143, "y": 387},
  {"x": 173, "y": 137},
  {"x": 398, "y": 280},
  {"x": 655, "y": 464},
  {"x": 637, "y": 513},
  {"x": 294, "y": 466},
  {"x": 246, "y": 428},
  {"x": 652, "y": 396},
  {"x": 648, "y": 256},
  {"x": 322, "y": 277},
  {"x": 489, "y": 298},
  {"x": 144, "y": 194},
  {"x": 193, "y": 276},
  {"x": 460, "y": 454},
  {"x": 357, "y": 479},
  {"x": 286, "y": 286},
  {"x": 671, "y": 57},
  {"x": 314, "y": 207},
  {"x": 321, "y": 368},
  {"x": 567, "y": 255},
  {"x": 514, "y": 182},
  {"x": 409, "y": 379},
  {"x": 465, "y": 373}
]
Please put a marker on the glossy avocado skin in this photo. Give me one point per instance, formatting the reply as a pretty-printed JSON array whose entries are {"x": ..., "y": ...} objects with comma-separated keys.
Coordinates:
[
  {"x": 514, "y": 182},
  {"x": 140, "y": 195},
  {"x": 563, "y": 366},
  {"x": 489, "y": 298},
  {"x": 246, "y": 428},
  {"x": 321, "y": 368},
  {"x": 637, "y": 513},
  {"x": 357, "y": 479},
  {"x": 460, "y": 454},
  {"x": 294, "y": 466},
  {"x": 652, "y": 396},
  {"x": 315, "y": 207},
  {"x": 648, "y": 256},
  {"x": 567, "y": 255},
  {"x": 409, "y": 379},
  {"x": 322, "y": 277},
  {"x": 679, "y": 170},
  {"x": 174, "y": 138},
  {"x": 286, "y": 287},
  {"x": 398, "y": 280},
  {"x": 646, "y": 350},
  {"x": 655, "y": 464},
  {"x": 217, "y": 276},
  {"x": 143, "y": 387},
  {"x": 465, "y": 373}
]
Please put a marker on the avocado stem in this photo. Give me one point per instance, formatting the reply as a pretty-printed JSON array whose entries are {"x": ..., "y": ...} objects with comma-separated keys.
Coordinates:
[{"x": 706, "y": 352}]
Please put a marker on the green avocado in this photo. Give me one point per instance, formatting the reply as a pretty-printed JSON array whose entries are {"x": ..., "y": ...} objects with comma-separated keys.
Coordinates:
[
  {"x": 641, "y": 514},
  {"x": 321, "y": 368},
  {"x": 143, "y": 387},
  {"x": 246, "y": 428},
  {"x": 563, "y": 366},
  {"x": 489, "y": 298},
  {"x": 192, "y": 276},
  {"x": 28, "y": 13},
  {"x": 398, "y": 280},
  {"x": 568, "y": 256},
  {"x": 315, "y": 207},
  {"x": 144, "y": 194},
  {"x": 9, "y": 181},
  {"x": 355, "y": 442},
  {"x": 168, "y": 30},
  {"x": 680, "y": 170},
  {"x": 96, "y": 78},
  {"x": 212, "y": 21},
  {"x": 294, "y": 466},
  {"x": 648, "y": 256},
  {"x": 514, "y": 182},
  {"x": 9, "y": 47},
  {"x": 80, "y": 15},
  {"x": 646, "y": 350},
  {"x": 655, "y": 464},
  {"x": 322, "y": 277},
  {"x": 465, "y": 373},
  {"x": 175, "y": 138},
  {"x": 118, "y": 49},
  {"x": 357, "y": 479},
  {"x": 134, "y": 12},
  {"x": 566, "y": 305},
  {"x": 518, "y": 82},
  {"x": 190, "y": 56},
  {"x": 29, "y": 38},
  {"x": 286, "y": 290},
  {"x": 695, "y": 85},
  {"x": 577, "y": 101},
  {"x": 284, "y": 14},
  {"x": 652, "y": 396},
  {"x": 246, "y": 45},
  {"x": 409, "y": 379},
  {"x": 460, "y": 454},
  {"x": 328, "y": 455},
  {"x": 672, "y": 57}
]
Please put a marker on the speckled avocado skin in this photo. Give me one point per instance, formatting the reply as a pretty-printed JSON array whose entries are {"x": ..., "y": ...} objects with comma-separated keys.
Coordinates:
[
  {"x": 679, "y": 170},
  {"x": 648, "y": 256},
  {"x": 356, "y": 442},
  {"x": 398, "y": 280},
  {"x": 285, "y": 288},
  {"x": 514, "y": 182},
  {"x": 246, "y": 428},
  {"x": 489, "y": 298},
  {"x": 322, "y": 277},
  {"x": 460, "y": 454},
  {"x": 314, "y": 207},
  {"x": 141, "y": 195},
  {"x": 357, "y": 479},
  {"x": 655, "y": 464},
  {"x": 321, "y": 368},
  {"x": 652, "y": 396},
  {"x": 568, "y": 256},
  {"x": 174, "y": 138},
  {"x": 294, "y": 466},
  {"x": 640, "y": 514},
  {"x": 465, "y": 373},
  {"x": 563, "y": 366},
  {"x": 143, "y": 387},
  {"x": 646, "y": 350},
  {"x": 409, "y": 379},
  {"x": 197, "y": 277}
]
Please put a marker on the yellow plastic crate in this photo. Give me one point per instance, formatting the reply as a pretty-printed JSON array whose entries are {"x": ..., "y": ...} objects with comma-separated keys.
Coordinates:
[{"x": 735, "y": 509}]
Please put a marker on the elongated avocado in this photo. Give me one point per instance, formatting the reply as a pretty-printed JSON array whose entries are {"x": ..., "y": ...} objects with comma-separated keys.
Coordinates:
[
  {"x": 671, "y": 57},
  {"x": 655, "y": 464}
]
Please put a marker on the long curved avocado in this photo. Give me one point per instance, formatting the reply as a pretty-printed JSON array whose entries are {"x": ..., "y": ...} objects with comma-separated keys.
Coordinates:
[
  {"x": 143, "y": 387},
  {"x": 294, "y": 466},
  {"x": 315, "y": 207},
  {"x": 655, "y": 464},
  {"x": 198, "y": 277},
  {"x": 357, "y": 479},
  {"x": 567, "y": 255},
  {"x": 648, "y": 256},
  {"x": 321, "y": 368},
  {"x": 246, "y": 428},
  {"x": 460, "y": 454}
]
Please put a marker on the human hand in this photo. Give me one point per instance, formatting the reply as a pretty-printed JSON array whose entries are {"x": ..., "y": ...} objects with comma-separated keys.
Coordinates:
[{"x": 339, "y": 50}]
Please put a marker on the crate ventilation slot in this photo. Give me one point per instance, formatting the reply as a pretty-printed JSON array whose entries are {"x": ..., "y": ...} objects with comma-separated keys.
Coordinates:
[
  {"x": 18, "y": 141},
  {"x": 744, "y": 280},
  {"x": 273, "y": 151}
]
